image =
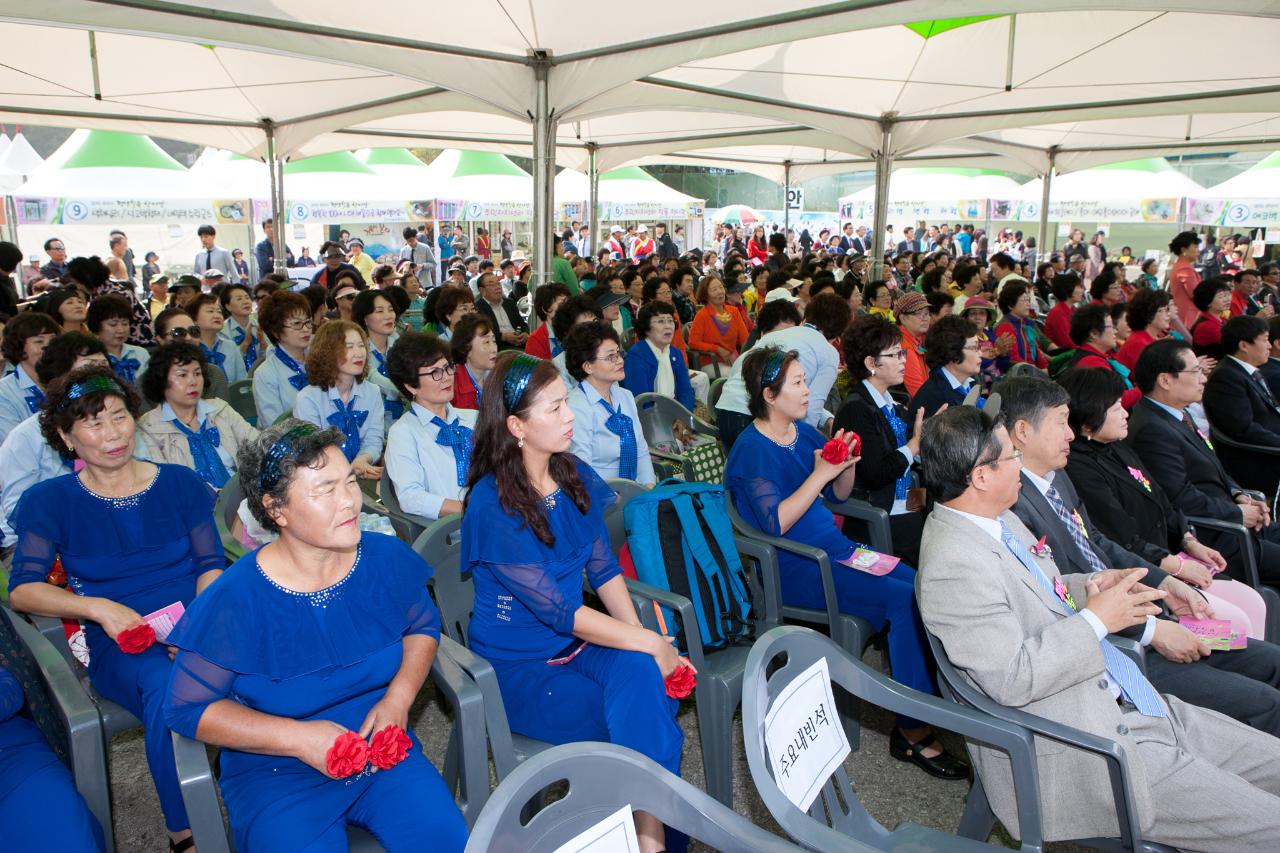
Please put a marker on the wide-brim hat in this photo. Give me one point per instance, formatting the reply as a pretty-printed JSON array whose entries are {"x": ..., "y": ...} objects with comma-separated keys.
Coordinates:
[
  {"x": 980, "y": 302},
  {"x": 185, "y": 280},
  {"x": 605, "y": 297}
]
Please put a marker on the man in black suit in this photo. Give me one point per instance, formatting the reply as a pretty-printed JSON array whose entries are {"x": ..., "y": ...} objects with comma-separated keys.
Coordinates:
[
  {"x": 1244, "y": 685},
  {"x": 1240, "y": 404},
  {"x": 1183, "y": 461},
  {"x": 909, "y": 243},
  {"x": 508, "y": 326},
  {"x": 954, "y": 362},
  {"x": 1271, "y": 369}
]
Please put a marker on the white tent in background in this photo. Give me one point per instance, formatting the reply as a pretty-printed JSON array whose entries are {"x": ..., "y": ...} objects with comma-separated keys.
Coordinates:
[
  {"x": 629, "y": 193},
  {"x": 19, "y": 156},
  {"x": 104, "y": 164},
  {"x": 232, "y": 175},
  {"x": 932, "y": 193},
  {"x": 1152, "y": 177},
  {"x": 480, "y": 186},
  {"x": 400, "y": 167},
  {"x": 1262, "y": 180},
  {"x": 1250, "y": 199}
]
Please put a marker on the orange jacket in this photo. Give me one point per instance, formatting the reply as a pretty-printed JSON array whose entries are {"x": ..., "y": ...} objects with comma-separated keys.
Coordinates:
[{"x": 704, "y": 336}]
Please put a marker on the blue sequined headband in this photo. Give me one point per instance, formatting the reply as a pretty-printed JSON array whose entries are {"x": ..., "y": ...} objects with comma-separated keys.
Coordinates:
[
  {"x": 772, "y": 365},
  {"x": 269, "y": 473},
  {"x": 517, "y": 380},
  {"x": 89, "y": 386}
]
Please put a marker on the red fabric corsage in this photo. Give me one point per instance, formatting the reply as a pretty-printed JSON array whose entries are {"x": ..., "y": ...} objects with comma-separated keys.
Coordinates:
[
  {"x": 136, "y": 640},
  {"x": 348, "y": 755},
  {"x": 681, "y": 681},
  {"x": 389, "y": 747}
]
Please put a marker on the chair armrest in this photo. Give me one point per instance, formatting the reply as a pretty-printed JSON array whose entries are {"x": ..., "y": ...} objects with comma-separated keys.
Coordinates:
[
  {"x": 467, "y": 702},
  {"x": 684, "y": 612},
  {"x": 1131, "y": 649},
  {"x": 764, "y": 579},
  {"x": 809, "y": 552},
  {"x": 200, "y": 795},
  {"x": 877, "y": 521},
  {"x": 1246, "y": 546},
  {"x": 485, "y": 679},
  {"x": 1222, "y": 438}
]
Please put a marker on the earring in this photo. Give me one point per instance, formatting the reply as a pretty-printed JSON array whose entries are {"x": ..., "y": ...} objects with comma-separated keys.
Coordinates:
[
  {"x": 873, "y": 371},
  {"x": 520, "y": 443}
]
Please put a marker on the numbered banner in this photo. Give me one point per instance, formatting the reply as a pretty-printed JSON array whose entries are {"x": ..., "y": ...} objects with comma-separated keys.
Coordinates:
[
  {"x": 1088, "y": 210},
  {"x": 614, "y": 834},
  {"x": 864, "y": 210},
  {"x": 108, "y": 211},
  {"x": 803, "y": 735},
  {"x": 1253, "y": 212}
]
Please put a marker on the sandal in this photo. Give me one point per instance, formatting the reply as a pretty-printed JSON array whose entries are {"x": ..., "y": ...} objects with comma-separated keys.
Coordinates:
[{"x": 943, "y": 766}]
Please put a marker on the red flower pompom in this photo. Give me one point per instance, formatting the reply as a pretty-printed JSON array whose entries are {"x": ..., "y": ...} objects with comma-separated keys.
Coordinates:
[
  {"x": 136, "y": 640},
  {"x": 389, "y": 747},
  {"x": 855, "y": 447},
  {"x": 835, "y": 451},
  {"x": 681, "y": 681},
  {"x": 348, "y": 755}
]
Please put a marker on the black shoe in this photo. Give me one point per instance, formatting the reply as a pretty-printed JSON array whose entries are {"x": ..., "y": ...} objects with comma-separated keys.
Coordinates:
[
  {"x": 183, "y": 845},
  {"x": 944, "y": 766}
]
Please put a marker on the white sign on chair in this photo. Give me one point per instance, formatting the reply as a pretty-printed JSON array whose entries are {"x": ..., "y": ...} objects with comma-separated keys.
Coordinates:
[
  {"x": 614, "y": 834},
  {"x": 804, "y": 737}
]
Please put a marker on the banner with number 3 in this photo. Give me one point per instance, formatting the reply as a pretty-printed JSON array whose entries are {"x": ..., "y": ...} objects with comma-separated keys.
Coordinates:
[{"x": 804, "y": 737}]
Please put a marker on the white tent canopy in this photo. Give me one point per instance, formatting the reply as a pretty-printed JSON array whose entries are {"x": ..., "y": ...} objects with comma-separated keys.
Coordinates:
[
  {"x": 19, "y": 156},
  {"x": 1148, "y": 178},
  {"x": 626, "y": 194}
]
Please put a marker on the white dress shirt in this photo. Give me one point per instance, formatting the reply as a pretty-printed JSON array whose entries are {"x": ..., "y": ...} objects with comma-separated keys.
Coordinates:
[{"x": 424, "y": 473}]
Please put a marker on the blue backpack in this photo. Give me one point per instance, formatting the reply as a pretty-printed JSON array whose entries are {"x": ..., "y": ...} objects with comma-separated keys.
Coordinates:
[{"x": 681, "y": 540}]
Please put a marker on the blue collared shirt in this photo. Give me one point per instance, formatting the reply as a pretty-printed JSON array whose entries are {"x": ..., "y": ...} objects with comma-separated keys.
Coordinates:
[
  {"x": 315, "y": 405},
  {"x": 594, "y": 444},
  {"x": 25, "y": 459},
  {"x": 272, "y": 393},
  {"x": 423, "y": 472},
  {"x": 14, "y": 390}
]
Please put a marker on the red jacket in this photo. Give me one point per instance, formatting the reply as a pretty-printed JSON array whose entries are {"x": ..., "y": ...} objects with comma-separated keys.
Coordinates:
[
  {"x": 1057, "y": 325},
  {"x": 464, "y": 390}
]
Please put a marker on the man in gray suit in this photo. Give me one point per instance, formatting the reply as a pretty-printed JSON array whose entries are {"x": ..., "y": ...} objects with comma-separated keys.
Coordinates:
[
  {"x": 1241, "y": 684},
  {"x": 1031, "y": 639}
]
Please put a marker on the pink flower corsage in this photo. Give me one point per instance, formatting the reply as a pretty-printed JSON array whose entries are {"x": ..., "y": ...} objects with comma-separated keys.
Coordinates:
[
  {"x": 1042, "y": 549},
  {"x": 1140, "y": 477},
  {"x": 1206, "y": 440},
  {"x": 1060, "y": 589}
]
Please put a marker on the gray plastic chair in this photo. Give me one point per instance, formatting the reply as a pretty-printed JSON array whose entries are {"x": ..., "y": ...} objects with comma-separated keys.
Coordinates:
[
  {"x": 240, "y": 396},
  {"x": 717, "y": 388},
  {"x": 625, "y": 490},
  {"x": 408, "y": 527},
  {"x": 850, "y": 632},
  {"x": 466, "y": 747},
  {"x": 837, "y": 820},
  {"x": 656, "y": 416},
  {"x": 79, "y": 740},
  {"x": 216, "y": 384},
  {"x": 1236, "y": 460},
  {"x": 224, "y": 516},
  {"x": 978, "y": 818},
  {"x": 603, "y": 778}
]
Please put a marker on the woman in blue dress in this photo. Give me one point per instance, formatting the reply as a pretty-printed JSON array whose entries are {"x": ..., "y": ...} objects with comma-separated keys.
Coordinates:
[
  {"x": 323, "y": 632},
  {"x": 533, "y": 522},
  {"x": 133, "y": 537},
  {"x": 341, "y": 395},
  {"x": 40, "y": 808},
  {"x": 777, "y": 478}
]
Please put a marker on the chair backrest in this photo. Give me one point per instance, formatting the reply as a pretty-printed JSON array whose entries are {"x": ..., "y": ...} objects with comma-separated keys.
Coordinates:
[
  {"x": 717, "y": 387},
  {"x": 240, "y": 396},
  {"x": 777, "y": 659},
  {"x": 656, "y": 416},
  {"x": 407, "y": 527},
  {"x": 613, "y": 520},
  {"x": 603, "y": 778},
  {"x": 224, "y": 517},
  {"x": 19, "y": 643},
  {"x": 441, "y": 546},
  {"x": 1025, "y": 369},
  {"x": 216, "y": 384}
]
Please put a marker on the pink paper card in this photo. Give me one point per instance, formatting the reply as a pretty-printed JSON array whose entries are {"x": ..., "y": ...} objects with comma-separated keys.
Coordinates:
[
  {"x": 1213, "y": 570},
  {"x": 163, "y": 620},
  {"x": 1214, "y": 633},
  {"x": 871, "y": 562}
]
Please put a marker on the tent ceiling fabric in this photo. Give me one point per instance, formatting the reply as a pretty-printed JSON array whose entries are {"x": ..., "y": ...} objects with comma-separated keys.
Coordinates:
[{"x": 1002, "y": 77}]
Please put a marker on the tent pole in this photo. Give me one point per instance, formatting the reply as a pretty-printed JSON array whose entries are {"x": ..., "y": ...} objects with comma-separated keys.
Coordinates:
[
  {"x": 277, "y": 202},
  {"x": 786, "y": 200},
  {"x": 543, "y": 168},
  {"x": 593, "y": 198},
  {"x": 884, "y": 167},
  {"x": 1043, "y": 240}
]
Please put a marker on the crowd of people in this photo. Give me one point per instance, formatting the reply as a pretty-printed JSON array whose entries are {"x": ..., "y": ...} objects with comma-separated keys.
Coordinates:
[{"x": 1058, "y": 413}]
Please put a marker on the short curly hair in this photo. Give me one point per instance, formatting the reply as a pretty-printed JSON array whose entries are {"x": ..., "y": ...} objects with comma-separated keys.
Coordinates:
[
  {"x": 303, "y": 448},
  {"x": 1144, "y": 306},
  {"x": 544, "y": 296},
  {"x": 409, "y": 355},
  {"x": 566, "y": 316},
  {"x": 328, "y": 349},
  {"x": 28, "y": 324},
  {"x": 470, "y": 327},
  {"x": 56, "y": 418},
  {"x": 109, "y": 306},
  {"x": 583, "y": 343},
  {"x": 944, "y": 343},
  {"x": 155, "y": 379},
  {"x": 280, "y": 307},
  {"x": 868, "y": 337}
]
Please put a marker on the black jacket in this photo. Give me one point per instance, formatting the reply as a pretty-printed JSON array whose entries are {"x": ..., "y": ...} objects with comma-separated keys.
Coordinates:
[
  {"x": 1182, "y": 463},
  {"x": 513, "y": 316},
  {"x": 881, "y": 464},
  {"x": 1127, "y": 512},
  {"x": 931, "y": 396},
  {"x": 667, "y": 247}
]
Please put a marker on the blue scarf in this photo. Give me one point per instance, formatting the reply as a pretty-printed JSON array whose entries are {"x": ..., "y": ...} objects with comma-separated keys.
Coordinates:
[
  {"x": 457, "y": 437},
  {"x": 393, "y": 408},
  {"x": 217, "y": 359},
  {"x": 126, "y": 367},
  {"x": 204, "y": 453},
  {"x": 34, "y": 397},
  {"x": 350, "y": 421},
  {"x": 475, "y": 383},
  {"x": 620, "y": 425},
  {"x": 299, "y": 377},
  {"x": 900, "y": 434},
  {"x": 251, "y": 354}
]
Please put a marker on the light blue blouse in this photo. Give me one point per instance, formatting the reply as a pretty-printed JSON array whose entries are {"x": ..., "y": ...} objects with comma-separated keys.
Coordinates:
[
  {"x": 25, "y": 459},
  {"x": 16, "y": 389},
  {"x": 315, "y": 405},
  {"x": 423, "y": 472},
  {"x": 594, "y": 444},
  {"x": 232, "y": 359},
  {"x": 273, "y": 395}
]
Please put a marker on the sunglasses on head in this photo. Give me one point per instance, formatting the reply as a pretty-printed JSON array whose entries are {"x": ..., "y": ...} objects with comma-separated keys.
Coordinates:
[{"x": 185, "y": 332}]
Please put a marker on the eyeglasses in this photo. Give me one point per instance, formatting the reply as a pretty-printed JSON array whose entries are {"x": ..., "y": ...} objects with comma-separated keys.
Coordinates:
[
  {"x": 184, "y": 332},
  {"x": 300, "y": 325},
  {"x": 973, "y": 348},
  {"x": 438, "y": 373},
  {"x": 1016, "y": 455},
  {"x": 1197, "y": 369},
  {"x": 614, "y": 357},
  {"x": 899, "y": 354}
]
